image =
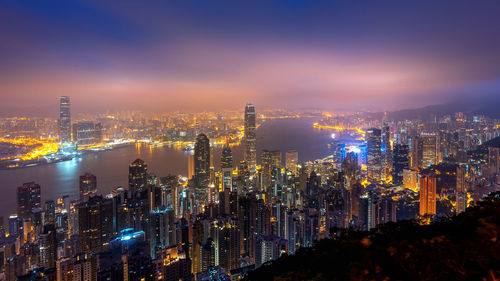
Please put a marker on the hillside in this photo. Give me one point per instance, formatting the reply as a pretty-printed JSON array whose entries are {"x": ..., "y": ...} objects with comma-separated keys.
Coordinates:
[{"x": 463, "y": 247}]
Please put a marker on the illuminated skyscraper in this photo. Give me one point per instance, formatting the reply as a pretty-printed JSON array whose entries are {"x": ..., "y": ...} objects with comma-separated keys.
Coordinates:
[
  {"x": 461, "y": 190},
  {"x": 95, "y": 224},
  {"x": 226, "y": 158},
  {"x": 190, "y": 166},
  {"x": 427, "y": 195},
  {"x": 430, "y": 149},
  {"x": 386, "y": 150},
  {"x": 202, "y": 161},
  {"x": 64, "y": 119},
  {"x": 415, "y": 152},
  {"x": 137, "y": 176},
  {"x": 373, "y": 137},
  {"x": 28, "y": 198},
  {"x": 291, "y": 160},
  {"x": 250, "y": 155},
  {"x": 88, "y": 186},
  {"x": 399, "y": 163},
  {"x": 227, "y": 168},
  {"x": 276, "y": 159}
]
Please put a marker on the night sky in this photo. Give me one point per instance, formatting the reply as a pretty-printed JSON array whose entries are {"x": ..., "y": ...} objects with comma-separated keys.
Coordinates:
[{"x": 209, "y": 55}]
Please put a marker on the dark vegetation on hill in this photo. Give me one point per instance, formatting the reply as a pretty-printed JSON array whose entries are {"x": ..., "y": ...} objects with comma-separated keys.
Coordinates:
[{"x": 462, "y": 247}]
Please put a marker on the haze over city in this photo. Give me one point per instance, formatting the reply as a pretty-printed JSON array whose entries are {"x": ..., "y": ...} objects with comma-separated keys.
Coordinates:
[{"x": 160, "y": 56}]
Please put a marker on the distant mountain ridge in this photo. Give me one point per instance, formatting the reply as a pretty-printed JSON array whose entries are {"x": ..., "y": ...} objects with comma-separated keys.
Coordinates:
[{"x": 489, "y": 108}]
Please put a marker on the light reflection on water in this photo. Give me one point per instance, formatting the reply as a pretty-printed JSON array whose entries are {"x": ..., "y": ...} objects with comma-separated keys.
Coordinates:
[{"x": 111, "y": 167}]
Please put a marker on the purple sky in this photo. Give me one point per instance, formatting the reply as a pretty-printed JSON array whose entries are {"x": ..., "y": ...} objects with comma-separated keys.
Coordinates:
[{"x": 209, "y": 55}]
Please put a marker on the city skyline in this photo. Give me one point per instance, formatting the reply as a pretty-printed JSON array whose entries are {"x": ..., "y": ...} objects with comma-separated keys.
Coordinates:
[
  {"x": 338, "y": 56},
  {"x": 224, "y": 140}
]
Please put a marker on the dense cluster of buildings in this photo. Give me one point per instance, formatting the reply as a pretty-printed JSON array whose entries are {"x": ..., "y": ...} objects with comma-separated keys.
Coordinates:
[{"x": 219, "y": 223}]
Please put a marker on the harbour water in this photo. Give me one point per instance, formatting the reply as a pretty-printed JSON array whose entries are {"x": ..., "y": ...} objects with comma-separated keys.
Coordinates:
[{"x": 111, "y": 166}]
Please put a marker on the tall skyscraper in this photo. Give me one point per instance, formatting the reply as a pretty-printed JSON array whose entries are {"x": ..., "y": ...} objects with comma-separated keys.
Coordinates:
[
  {"x": 227, "y": 168},
  {"x": 202, "y": 161},
  {"x": 28, "y": 198},
  {"x": 461, "y": 190},
  {"x": 427, "y": 195},
  {"x": 95, "y": 224},
  {"x": 415, "y": 152},
  {"x": 138, "y": 176},
  {"x": 48, "y": 246},
  {"x": 226, "y": 158},
  {"x": 386, "y": 150},
  {"x": 88, "y": 186},
  {"x": 291, "y": 160},
  {"x": 250, "y": 155},
  {"x": 430, "y": 149},
  {"x": 400, "y": 162},
  {"x": 276, "y": 159},
  {"x": 373, "y": 137},
  {"x": 190, "y": 166},
  {"x": 64, "y": 119}
]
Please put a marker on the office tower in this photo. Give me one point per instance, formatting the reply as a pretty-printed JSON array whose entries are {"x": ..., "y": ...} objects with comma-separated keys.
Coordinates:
[
  {"x": 202, "y": 161},
  {"x": 461, "y": 190},
  {"x": 84, "y": 133},
  {"x": 48, "y": 246},
  {"x": 276, "y": 159},
  {"x": 291, "y": 160},
  {"x": 95, "y": 224},
  {"x": 190, "y": 166},
  {"x": 373, "y": 137},
  {"x": 64, "y": 119},
  {"x": 410, "y": 179},
  {"x": 14, "y": 225},
  {"x": 227, "y": 169},
  {"x": 50, "y": 211},
  {"x": 28, "y": 199},
  {"x": 386, "y": 152},
  {"x": 88, "y": 186},
  {"x": 427, "y": 195},
  {"x": 265, "y": 170},
  {"x": 351, "y": 169},
  {"x": 137, "y": 177},
  {"x": 250, "y": 155},
  {"x": 400, "y": 162},
  {"x": 415, "y": 153},
  {"x": 226, "y": 158},
  {"x": 430, "y": 149}
]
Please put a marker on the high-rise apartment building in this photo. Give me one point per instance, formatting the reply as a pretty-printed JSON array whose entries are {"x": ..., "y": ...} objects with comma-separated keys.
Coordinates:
[
  {"x": 28, "y": 199},
  {"x": 373, "y": 137},
  {"x": 400, "y": 162},
  {"x": 138, "y": 176},
  {"x": 95, "y": 224},
  {"x": 461, "y": 190},
  {"x": 88, "y": 186},
  {"x": 427, "y": 195}
]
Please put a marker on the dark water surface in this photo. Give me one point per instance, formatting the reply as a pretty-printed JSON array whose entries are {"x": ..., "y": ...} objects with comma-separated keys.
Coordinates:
[{"x": 111, "y": 167}]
